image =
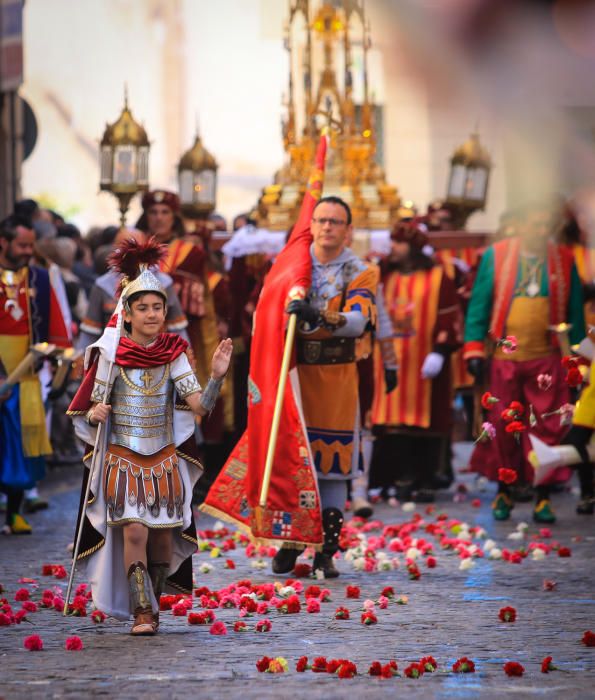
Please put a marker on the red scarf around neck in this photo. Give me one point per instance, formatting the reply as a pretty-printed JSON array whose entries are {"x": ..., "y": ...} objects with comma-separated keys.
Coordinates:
[{"x": 164, "y": 349}]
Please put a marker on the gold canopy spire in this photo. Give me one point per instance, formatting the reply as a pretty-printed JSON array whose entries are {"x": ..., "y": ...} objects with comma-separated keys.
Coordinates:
[{"x": 325, "y": 68}]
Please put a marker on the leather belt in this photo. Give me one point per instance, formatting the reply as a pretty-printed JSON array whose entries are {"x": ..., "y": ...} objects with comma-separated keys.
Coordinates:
[{"x": 331, "y": 351}]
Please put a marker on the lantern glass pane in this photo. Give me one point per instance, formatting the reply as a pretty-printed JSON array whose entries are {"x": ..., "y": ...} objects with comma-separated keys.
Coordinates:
[
  {"x": 456, "y": 186},
  {"x": 206, "y": 187},
  {"x": 475, "y": 187},
  {"x": 105, "y": 158},
  {"x": 143, "y": 166},
  {"x": 124, "y": 165},
  {"x": 186, "y": 184}
]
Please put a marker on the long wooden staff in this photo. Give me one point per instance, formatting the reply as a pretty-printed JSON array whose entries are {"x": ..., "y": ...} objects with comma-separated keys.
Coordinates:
[
  {"x": 91, "y": 471},
  {"x": 268, "y": 465}
]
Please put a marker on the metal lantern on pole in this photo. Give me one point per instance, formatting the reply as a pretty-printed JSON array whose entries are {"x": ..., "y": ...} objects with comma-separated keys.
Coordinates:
[
  {"x": 124, "y": 159},
  {"x": 470, "y": 168},
  {"x": 197, "y": 180}
]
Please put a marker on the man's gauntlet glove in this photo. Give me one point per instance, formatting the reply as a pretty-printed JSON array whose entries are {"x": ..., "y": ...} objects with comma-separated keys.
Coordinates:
[{"x": 304, "y": 311}]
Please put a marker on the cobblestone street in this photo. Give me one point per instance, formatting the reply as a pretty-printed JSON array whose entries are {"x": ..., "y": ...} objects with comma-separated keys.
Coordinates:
[{"x": 451, "y": 612}]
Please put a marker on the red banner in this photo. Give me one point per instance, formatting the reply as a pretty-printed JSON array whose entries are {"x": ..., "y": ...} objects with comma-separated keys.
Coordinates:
[{"x": 292, "y": 512}]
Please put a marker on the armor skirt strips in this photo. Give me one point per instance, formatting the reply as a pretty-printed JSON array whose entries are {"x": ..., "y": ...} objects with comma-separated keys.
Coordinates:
[{"x": 143, "y": 489}]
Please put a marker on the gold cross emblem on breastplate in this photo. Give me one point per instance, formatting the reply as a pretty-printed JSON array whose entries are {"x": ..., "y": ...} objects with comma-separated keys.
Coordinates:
[{"x": 146, "y": 378}]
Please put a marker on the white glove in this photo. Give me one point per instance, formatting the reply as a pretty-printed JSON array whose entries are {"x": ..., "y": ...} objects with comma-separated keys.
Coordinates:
[{"x": 432, "y": 365}]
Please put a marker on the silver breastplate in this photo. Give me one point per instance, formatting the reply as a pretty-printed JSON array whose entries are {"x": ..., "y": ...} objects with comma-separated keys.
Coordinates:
[{"x": 142, "y": 409}]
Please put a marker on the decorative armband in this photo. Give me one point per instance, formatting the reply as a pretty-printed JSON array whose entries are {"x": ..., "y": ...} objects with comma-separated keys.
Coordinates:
[
  {"x": 210, "y": 394},
  {"x": 88, "y": 417}
]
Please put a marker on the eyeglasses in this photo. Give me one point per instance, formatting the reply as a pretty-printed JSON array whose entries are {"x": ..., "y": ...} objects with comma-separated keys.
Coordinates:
[{"x": 326, "y": 220}]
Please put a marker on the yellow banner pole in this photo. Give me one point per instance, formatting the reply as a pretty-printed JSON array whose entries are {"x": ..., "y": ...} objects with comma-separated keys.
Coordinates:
[{"x": 268, "y": 465}]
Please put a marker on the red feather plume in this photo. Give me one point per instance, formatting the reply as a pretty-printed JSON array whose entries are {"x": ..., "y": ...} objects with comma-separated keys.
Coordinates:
[{"x": 130, "y": 254}]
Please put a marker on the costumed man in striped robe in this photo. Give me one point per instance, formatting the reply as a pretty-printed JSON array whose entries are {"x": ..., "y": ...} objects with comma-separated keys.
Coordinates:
[
  {"x": 138, "y": 531},
  {"x": 29, "y": 314},
  {"x": 412, "y": 422},
  {"x": 339, "y": 307},
  {"x": 525, "y": 286}
]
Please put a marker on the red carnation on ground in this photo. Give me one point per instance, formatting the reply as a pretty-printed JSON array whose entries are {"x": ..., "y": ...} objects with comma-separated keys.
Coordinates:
[
  {"x": 341, "y": 614},
  {"x": 429, "y": 664},
  {"x": 332, "y": 665},
  {"x": 588, "y": 639},
  {"x": 368, "y": 618},
  {"x": 388, "y": 592},
  {"x": 166, "y": 602},
  {"x": 263, "y": 626},
  {"x": 325, "y": 595},
  {"x": 218, "y": 628},
  {"x": 263, "y": 664},
  {"x": 564, "y": 552},
  {"x": 47, "y": 599},
  {"x": 390, "y": 669},
  {"x": 47, "y": 569},
  {"x": 229, "y": 564},
  {"x": 431, "y": 562},
  {"x": 302, "y": 570},
  {"x": 289, "y": 606},
  {"x": 73, "y": 644},
  {"x": 507, "y": 476},
  {"x": 58, "y": 604},
  {"x": 347, "y": 670},
  {"x": 78, "y": 607},
  {"x": 60, "y": 572},
  {"x": 487, "y": 400},
  {"x": 513, "y": 668},
  {"x": 33, "y": 643},
  {"x": 22, "y": 594},
  {"x": 29, "y": 606},
  {"x": 463, "y": 665},
  {"x": 352, "y": 591},
  {"x": 97, "y": 616},
  {"x": 413, "y": 571},
  {"x": 239, "y": 625},
  {"x": 302, "y": 664},
  {"x": 547, "y": 665},
  {"x": 319, "y": 664},
  {"x": 313, "y": 605},
  {"x": 375, "y": 669},
  {"x": 414, "y": 670},
  {"x": 179, "y": 610},
  {"x": 5, "y": 620},
  {"x": 312, "y": 592},
  {"x": 507, "y": 614}
]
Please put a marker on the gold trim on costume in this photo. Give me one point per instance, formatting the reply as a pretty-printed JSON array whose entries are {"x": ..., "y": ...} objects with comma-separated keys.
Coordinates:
[
  {"x": 145, "y": 392},
  {"x": 151, "y": 526},
  {"x": 190, "y": 459},
  {"x": 88, "y": 552}
]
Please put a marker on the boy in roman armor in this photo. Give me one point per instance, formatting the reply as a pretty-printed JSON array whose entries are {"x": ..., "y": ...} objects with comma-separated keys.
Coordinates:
[{"x": 138, "y": 531}]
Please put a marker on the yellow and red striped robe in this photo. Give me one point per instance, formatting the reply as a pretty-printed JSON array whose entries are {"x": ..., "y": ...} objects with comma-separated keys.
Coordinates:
[{"x": 425, "y": 312}]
